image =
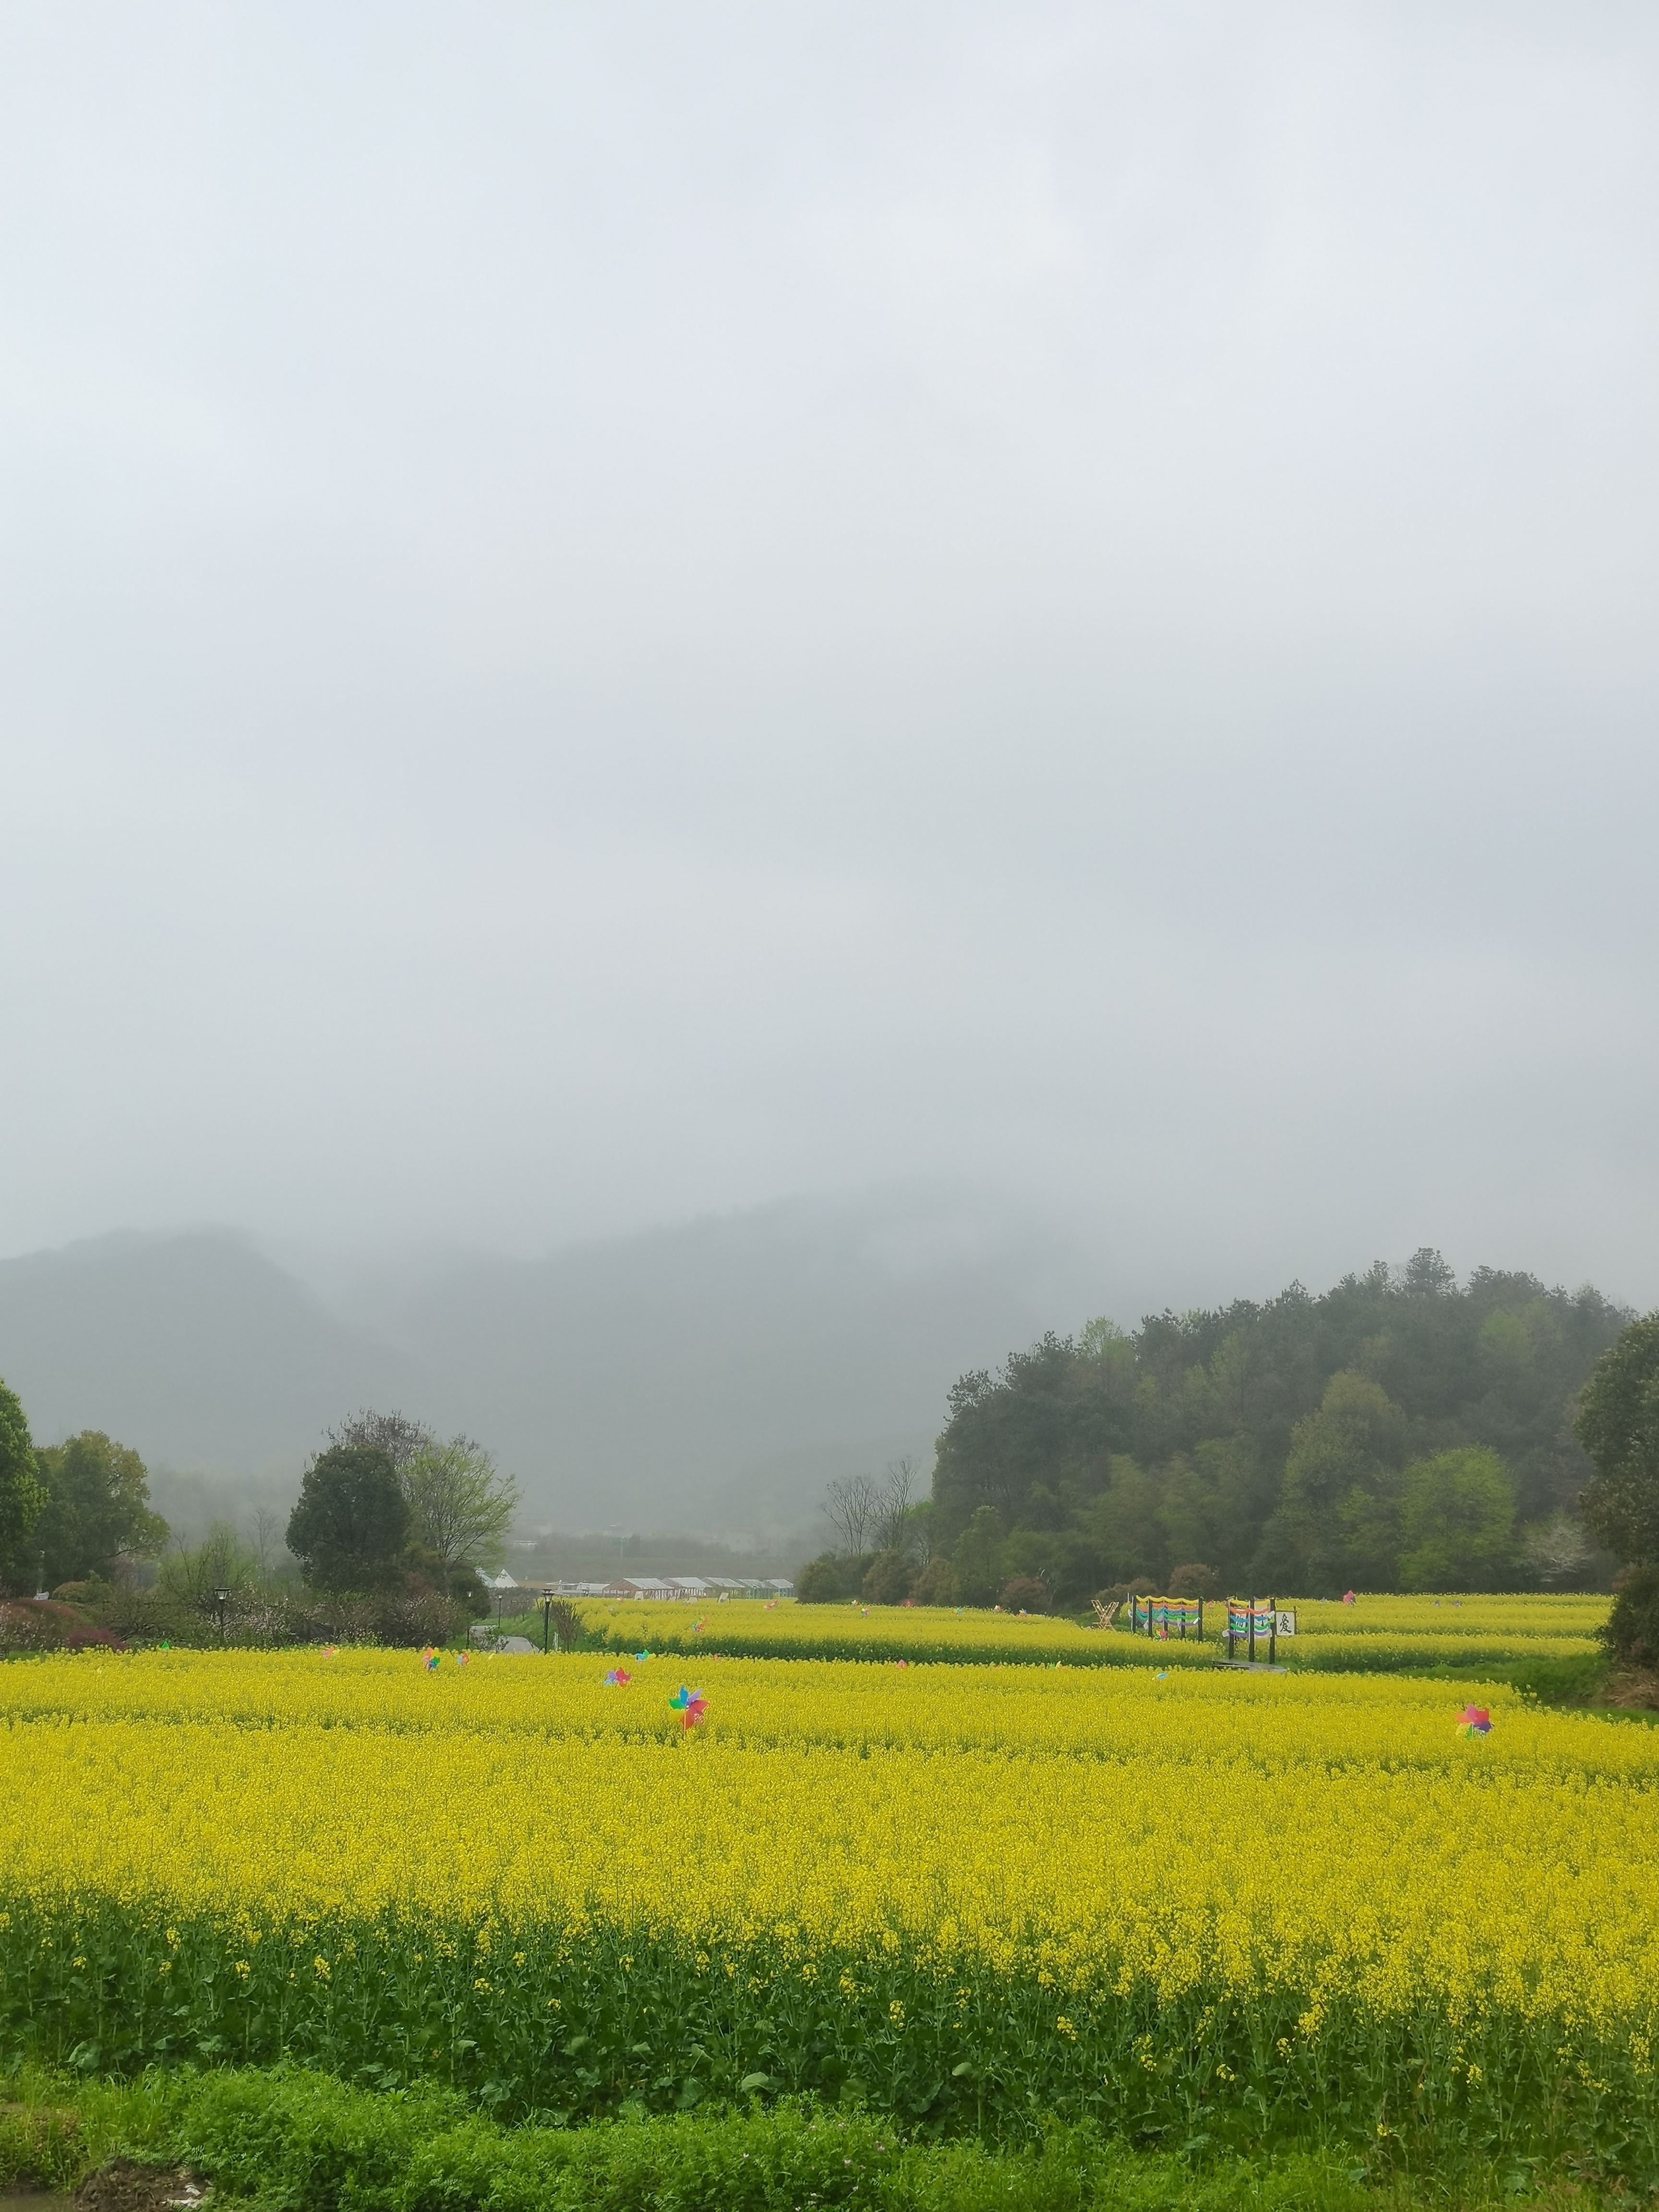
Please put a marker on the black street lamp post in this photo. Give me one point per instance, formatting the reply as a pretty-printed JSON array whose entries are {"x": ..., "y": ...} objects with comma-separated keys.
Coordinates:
[
  {"x": 222, "y": 1599},
  {"x": 547, "y": 1618}
]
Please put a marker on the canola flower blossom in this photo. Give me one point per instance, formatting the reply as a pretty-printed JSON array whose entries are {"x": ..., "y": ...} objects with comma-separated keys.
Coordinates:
[
  {"x": 1334, "y": 1634},
  {"x": 510, "y": 1868}
]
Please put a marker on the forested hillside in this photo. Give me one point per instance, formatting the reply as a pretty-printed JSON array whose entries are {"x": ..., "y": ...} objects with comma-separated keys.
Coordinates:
[{"x": 1401, "y": 1432}]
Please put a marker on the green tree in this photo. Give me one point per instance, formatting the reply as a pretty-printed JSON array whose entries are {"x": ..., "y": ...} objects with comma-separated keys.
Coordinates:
[
  {"x": 820, "y": 1582},
  {"x": 1338, "y": 1518},
  {"x": 97, "y": 1509},
  {"x": 351, "y": 1522},
  {"x": 1618, "y": 1425},
  {"x": 977, "y": 1557},
  {"x": 461, "y": 1507},
  {"x": 1125, "y": 1527},
  {"x": 889, "y": 1580},
  {"x": 1457, "y": 1522},
  {"x": 22, "y": 1497}
]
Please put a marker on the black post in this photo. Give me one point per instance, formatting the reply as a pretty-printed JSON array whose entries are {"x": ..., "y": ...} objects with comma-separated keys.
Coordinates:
[
  {"x": 1252, "y": 1631},
  {"x": 1200, "y": 1620},
  {"x": 1273, "y": 1633}
]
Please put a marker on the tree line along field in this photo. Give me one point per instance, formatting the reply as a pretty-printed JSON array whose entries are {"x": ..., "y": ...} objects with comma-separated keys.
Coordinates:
[
  {"x": 1400, "y": 1432},
  {"x": 1189, "y": 1906}
]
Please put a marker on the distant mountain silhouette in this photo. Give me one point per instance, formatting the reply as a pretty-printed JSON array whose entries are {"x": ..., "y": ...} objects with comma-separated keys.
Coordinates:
[
  {"x": 711, "y": 1377},
  {"x": 193, "y": 1348}
]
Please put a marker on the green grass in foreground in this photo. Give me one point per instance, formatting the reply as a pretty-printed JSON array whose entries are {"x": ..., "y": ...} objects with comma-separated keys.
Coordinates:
[{"x": 290, "y": 2141}]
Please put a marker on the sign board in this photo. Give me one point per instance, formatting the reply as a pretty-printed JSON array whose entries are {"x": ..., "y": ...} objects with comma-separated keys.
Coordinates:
[{"x": 1287, "y": 1620}]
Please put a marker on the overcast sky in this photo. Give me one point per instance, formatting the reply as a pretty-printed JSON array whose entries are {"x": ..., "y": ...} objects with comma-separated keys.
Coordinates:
[{"x": 614, "y": 610}]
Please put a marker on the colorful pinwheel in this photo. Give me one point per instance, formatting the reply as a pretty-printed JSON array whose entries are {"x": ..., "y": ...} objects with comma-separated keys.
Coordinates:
[
  {"x": 1474, "y": 1720},
  {"x": 618, "y": 1679},
  {"x": 429, "y": 1660},
  {"x": 641, "y": 1657},
  {"x": 689, "y": 1705},
  {"x": 1347, "y": 1597}
]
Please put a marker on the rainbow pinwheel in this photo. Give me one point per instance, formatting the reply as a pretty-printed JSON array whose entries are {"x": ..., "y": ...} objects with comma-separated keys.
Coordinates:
[
  {"x": 1474, "y": 1720},
  {"x": 429, "y": 1661},
  {"x": 689, "y": 1705},
  {"x": 618, "y": 1679},
  {"x": 641, "y": 1657}
]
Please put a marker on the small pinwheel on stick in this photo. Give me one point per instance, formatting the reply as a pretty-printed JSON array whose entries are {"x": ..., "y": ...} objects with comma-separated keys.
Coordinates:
[
  {"x": 618, "y": 1679},
  {"x": 1475, "y": 1721},
  {"x": 689, "y": 1705}
]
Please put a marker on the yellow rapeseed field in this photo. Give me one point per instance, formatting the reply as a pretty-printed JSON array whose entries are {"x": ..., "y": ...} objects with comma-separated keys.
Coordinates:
[
  {"x": 1377, "y": 1632},
  {"x": 1195, "y": 1894}
]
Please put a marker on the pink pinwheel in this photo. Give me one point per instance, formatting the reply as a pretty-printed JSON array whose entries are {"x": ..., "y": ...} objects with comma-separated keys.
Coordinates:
[
  {"x": 689, "y": 1705},
  {"x": 618, "y": 1679},
  {"x": 1473, "y": 1721},
  {"x": 1347, "y": 1597}
]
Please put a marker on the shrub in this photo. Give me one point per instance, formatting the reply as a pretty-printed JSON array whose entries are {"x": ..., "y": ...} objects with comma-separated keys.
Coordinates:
[
  {"x": 820, "y": 1581},
  {"x": 937, "y": 1584},
  {"x": 1024, "y": 1594},
  {"x": 891, "y": 1580},
  {"x": 1633, "y": 1629},
  {"x": 36, "y": 1625},
  {"x": 1119, "y": 1593},
  {"x": 1194, "y": 1581}
]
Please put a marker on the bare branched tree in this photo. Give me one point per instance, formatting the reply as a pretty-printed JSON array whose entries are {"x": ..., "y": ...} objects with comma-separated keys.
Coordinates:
[
  {"x": 394, "y": 1433},
  {"x": 893, "y": 1503},
  {"x": 850, "y": 1507},
  {"x": 263, "y": 1536}
]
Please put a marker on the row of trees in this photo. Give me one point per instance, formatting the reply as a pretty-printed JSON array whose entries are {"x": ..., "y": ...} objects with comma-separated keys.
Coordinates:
[
  {"x": 69, "y": 1512},
  {"x": 387, "y": 1506},
  {"x": 1401, "y": 1432}
]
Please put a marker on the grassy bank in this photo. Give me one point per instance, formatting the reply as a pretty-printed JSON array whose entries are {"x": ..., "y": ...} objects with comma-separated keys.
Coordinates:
[{"x": 289, "y": 2141}]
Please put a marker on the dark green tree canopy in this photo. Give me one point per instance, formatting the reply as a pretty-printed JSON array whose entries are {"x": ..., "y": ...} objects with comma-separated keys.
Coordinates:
[
  {"x": 1618, "y": 1425},
  {"x": 1400, "y": 1431},
  {"x": 97, "y": 1509},
  {"x": 22, "y": 1497},
  {"x": 351, "y": 1524}
]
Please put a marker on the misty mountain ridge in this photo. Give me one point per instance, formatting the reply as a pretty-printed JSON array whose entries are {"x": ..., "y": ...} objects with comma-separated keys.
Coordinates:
[{"x": 711, "y": 1377}]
